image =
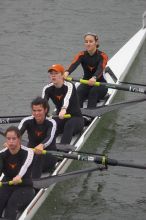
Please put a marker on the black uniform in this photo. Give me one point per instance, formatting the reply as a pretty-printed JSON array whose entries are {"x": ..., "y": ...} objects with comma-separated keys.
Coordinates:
[
  {"x": 45, "y": 134},
  {"x": 93, "y": 65},
  {"x": 15, "y": 198},
  {"x": 65, "y": 97}
]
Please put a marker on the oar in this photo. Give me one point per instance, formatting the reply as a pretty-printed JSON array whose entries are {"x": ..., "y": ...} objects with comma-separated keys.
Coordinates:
[
  {"x": 111, "y": 73},
  {"x": 94, "y": 112},
  {"x": 47, "y": 181},
  {"x": 10, "y": 120},
  {"x": 8, "y": 183},
  {"x": 14, "y": 116},
  {"x": 133, "y": 83},
  {"x": 112, "y": 86},
  {"x": 104, "y": 160},
  {"x": 16, "y": 119}
]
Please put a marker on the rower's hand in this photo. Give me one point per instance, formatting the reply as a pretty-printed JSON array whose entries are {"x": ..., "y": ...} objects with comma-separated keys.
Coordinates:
[
  {"x": 38, "y": 149},
  {"x": 65, "y": 75},
  {"x": 91, "y": 81},
  {"x": 62, "y": 113},
  {"x": 17, "y": 180}
]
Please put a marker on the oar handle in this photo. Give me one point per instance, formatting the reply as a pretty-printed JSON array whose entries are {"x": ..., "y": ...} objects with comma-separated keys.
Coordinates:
[
  {"x": 67, "y": 116},
  {"x": 10, "y": 120},
  {"x": 128, "y": 88},
  {"x": 82, "y": 81},
  {"x": 8, "y": 183},
  {"x": 18, "y": 119}
]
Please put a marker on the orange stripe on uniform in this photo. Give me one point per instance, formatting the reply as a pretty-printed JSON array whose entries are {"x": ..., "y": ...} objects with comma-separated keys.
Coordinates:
[
  {"x": 81, "y": 53},
  {"x": 105, "y": 59}
]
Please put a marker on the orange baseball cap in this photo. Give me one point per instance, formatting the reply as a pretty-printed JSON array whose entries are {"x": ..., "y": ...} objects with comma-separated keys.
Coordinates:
[{"x": 57, "y": 68}]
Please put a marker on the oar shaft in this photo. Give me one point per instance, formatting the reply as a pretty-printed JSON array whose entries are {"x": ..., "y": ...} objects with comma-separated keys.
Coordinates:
[
  {"x": 14, "y": 116},
  {"x": 12, "y": 119},
  {"x": 118, "y": 87},
  {"x": 129, "y": 88},
  {"x": 97, "y": 159},
  {"x": 132, "y": 83}
]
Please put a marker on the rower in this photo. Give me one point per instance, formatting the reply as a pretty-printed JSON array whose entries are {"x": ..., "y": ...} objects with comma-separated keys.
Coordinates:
[
  {"x": 41, "y": 132},
  {"x": 93, "y": 62},
  {"x": 16, "y": 167},
  {"x": 64, "y": 96}
]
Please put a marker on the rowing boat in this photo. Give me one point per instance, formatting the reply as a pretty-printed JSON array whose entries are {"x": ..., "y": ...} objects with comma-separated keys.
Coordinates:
[{"x": 120, "y": 64}]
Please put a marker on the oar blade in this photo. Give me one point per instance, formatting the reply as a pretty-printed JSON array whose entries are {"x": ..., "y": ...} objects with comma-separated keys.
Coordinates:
[
  {"x": 99, "y": 111},
  {"x": 47, "y": 181}
]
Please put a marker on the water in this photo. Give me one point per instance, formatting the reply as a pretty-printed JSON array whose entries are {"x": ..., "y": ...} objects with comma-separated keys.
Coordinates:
[{"x": 34, "y": 35}]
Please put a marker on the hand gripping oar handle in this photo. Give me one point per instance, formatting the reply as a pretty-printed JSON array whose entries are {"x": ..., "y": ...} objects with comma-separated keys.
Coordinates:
[
  {"x": 104, "y": 160},
  {"x": 8, "y": 183},
  {"x": 112, "y": 86}
]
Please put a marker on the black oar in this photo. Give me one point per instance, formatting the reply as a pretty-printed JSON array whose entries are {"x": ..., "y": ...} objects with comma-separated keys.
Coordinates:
[
  {"x": 133, "y": 83},
  {"x": 94, "y": 112},
  {"x": 13, "y": 119},
  {"x": 10, "y": 120},
  {"x": 129, "y": 88},
  {"x": 47, "y": 181},
  {"x": 14, "y": 116},
  {"x": 104, "y": 160},
  {"x": 108, "y": 108},
  {"x": 111, "y": 73}
]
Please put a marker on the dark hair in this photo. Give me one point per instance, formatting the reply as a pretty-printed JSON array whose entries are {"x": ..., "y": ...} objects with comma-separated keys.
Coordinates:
[
  {"x": 15, "y": 129},
  {"x": 41, "y": 101}
]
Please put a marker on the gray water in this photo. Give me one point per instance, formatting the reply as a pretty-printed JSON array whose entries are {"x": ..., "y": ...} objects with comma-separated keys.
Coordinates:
[{"x": 34, "y": 34}]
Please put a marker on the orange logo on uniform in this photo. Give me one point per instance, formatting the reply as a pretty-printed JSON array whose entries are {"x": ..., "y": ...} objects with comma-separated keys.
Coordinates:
[
  {"x": 12, "y": 165},
  {"x": 91, "y": 68},
  {"x": 59, "y": 97},
  {"x": 39, "y": 133}
]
